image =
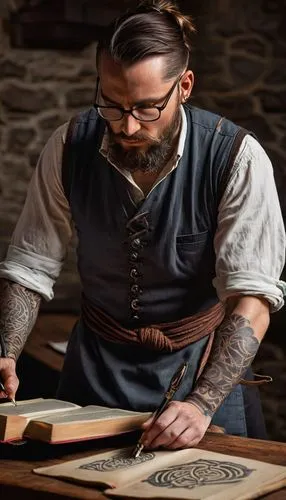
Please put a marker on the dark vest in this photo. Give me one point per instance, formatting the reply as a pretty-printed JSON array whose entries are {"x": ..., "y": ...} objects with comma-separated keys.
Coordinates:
[{"x": 155, "y": 262}]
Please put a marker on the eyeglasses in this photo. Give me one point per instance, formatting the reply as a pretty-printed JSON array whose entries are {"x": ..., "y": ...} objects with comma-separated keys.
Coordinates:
[{"x": 140, "y": 113}]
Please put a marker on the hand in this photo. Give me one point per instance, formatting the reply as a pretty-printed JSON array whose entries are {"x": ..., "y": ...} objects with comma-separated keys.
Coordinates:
[
  {"x": 181, "y": 425},
  {"x": 8, "y": 377}
]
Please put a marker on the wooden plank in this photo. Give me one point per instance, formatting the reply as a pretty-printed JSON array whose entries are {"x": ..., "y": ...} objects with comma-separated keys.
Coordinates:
[
  {"x": 258, "y": 449},
  {"x": 18, "y": 481}
]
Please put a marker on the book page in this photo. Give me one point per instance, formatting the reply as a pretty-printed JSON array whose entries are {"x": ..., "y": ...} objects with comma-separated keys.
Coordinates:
[
  {"x": 185, "y": 474},
  {"x": 117, "y": 412},
  {"x": 24, "y": 402},
  {"x": 31, "y": 408},
  {"x": 89, "y": 413},
  {"x": 113, "y": 468},
  {"x": 206, "y": 475},
  {"x": 60, "y": 347}
]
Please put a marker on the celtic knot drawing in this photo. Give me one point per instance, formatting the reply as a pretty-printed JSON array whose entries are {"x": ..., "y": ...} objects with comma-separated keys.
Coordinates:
[
  {"x": 121, "y": 460},
  {"x": 199, "y": 473}
]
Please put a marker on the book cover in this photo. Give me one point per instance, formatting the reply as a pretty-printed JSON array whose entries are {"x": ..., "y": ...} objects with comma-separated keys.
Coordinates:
[
  {"x": 55, "y": 421},
  {"x": 14, "y": 419}
]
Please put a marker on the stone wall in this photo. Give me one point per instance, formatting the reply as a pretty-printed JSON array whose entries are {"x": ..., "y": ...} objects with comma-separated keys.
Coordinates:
[
  {"x": 39, "y": 90},
  {"x": 240, "y": 65}
]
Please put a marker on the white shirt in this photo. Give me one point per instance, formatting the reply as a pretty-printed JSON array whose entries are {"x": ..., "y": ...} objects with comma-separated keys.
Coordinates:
[{"x": 249, "y": 242}]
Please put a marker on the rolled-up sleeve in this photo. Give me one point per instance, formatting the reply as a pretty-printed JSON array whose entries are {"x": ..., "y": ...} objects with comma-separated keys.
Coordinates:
[
  {"x": 41, "y": 237},
  {"x": 250, "y": 237}
]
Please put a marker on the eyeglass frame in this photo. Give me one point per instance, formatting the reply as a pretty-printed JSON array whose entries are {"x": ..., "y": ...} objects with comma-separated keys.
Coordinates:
[{"x": 130, "y": 111}]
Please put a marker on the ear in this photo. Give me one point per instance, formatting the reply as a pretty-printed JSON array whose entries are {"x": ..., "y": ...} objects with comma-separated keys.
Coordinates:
[{"x": 186, "y": 85}]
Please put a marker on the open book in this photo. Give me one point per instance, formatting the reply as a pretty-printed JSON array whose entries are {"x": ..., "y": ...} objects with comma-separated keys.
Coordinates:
[
  {"x": 186, "y": 474},
  {"x": 56, "y": 421}
]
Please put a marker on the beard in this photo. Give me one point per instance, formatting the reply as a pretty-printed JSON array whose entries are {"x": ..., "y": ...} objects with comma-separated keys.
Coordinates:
[{"x": 154, "y": 157}]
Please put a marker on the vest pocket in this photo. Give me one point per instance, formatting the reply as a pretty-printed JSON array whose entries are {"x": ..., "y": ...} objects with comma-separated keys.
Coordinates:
[
  {"x": 191, "y": 240},
  {"x": 192, "y": 250}
]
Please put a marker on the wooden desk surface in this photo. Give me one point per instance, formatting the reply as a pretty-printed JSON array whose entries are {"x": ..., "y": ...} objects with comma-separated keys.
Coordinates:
[
  {"x": 54, "y": 327},
  {"x": 18, "y": 481},
  {"x": 16, "y": 477}
]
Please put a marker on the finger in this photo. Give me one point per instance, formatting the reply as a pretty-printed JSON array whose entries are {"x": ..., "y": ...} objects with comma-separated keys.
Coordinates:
[
  {"x": 167, "y": 417},
  {"x": 11, "y": 385},
  {"x": 151, "y": 419},
  {"x": 187, "y": 439},
  {"x": 169, "y": 434},
  {"x": 3, "y": 395},
  {"x": 175, "y": 430},
  {"x": 146, "y": 424},
  {"x": 11, "y": 382}
]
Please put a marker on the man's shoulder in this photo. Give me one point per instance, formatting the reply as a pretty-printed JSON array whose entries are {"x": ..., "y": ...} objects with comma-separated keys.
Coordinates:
[
  {"x": 85, "y": 125},
  {"x": 86, "y": 115},
  {"x": 198, "y": 114},
  {"x": 205, "y": 119}
]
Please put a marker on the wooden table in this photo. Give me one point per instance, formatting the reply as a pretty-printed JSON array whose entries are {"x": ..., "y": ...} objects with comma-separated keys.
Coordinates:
[
  {"x": 49, "y": 327},
  {"x": 18, "y": 481},
  {"x": 39, "y": 366},
  {"x": 16, "y": 477}
]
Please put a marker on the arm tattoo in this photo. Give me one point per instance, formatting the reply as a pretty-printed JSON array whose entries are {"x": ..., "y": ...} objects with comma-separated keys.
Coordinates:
[
  {"x": 234, "y": 349},
  {"x": 18, "y": 312}
]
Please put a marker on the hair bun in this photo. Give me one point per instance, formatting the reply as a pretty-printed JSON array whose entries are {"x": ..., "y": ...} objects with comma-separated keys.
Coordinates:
[{"x": 170, "y": 8}]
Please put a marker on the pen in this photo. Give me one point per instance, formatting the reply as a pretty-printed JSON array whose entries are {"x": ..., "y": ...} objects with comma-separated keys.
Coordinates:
[
  {"x": 172, "y": 389},
  {"x": 4, "y": 355}
]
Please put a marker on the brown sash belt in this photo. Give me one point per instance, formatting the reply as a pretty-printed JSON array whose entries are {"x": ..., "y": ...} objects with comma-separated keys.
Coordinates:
[{"x": 166, "y": 337}]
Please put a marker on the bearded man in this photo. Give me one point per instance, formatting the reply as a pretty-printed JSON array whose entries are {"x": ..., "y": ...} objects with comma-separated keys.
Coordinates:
[{"x": 180, "y": 242}]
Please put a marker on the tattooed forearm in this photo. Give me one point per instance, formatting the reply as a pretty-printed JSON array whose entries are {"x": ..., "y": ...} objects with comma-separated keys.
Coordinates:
[
  {"x": 234, "y": 348},
  {"x": 18, "y": 312}
]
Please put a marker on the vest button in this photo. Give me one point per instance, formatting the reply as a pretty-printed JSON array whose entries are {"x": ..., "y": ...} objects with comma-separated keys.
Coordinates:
[
  {"x": 135, "y": 289},
  {"x": 134, "y": 273},
  {"x": 134, "y": 304},
  {"x": 136, "y": 243},
  {"x": 134, "y": 256},
  {"x": 135, "y": 317}
]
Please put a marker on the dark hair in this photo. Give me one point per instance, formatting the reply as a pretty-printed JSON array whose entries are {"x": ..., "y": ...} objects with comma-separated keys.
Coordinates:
[{"x": 154, "y": 27}]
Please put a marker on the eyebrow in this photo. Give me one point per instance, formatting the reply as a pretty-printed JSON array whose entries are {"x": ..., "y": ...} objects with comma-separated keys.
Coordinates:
[{"x": 138, "y": 103}]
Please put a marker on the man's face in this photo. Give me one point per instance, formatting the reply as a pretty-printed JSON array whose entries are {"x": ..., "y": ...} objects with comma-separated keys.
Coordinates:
[{"x": 139, "y": 145}]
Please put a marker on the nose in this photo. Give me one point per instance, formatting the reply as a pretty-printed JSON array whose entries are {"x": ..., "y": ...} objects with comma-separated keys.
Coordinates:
[{"x": 130, "y": 125}]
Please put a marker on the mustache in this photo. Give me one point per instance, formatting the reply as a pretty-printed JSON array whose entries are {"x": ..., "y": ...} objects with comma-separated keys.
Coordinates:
[{"x": 136, "y": 137}]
